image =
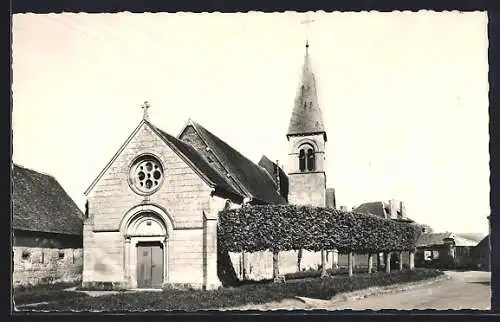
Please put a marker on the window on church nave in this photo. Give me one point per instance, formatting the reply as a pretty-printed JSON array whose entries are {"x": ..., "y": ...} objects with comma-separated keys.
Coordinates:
[
  {"x": 146, "y": 175},
  {"x": 306, "y": 158}
]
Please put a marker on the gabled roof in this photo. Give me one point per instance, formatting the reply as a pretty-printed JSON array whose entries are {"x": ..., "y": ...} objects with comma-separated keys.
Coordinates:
[
  {"x": 433, "y": 239},
  {"x": 120, "y": 150},
  {"x": 185, "y": 151},
  {"x": 306, "y": 116},
  {"x": 39, "y": 203},
  {"x": 197, "y": 160},
  {"x": 253, "y": 178}
]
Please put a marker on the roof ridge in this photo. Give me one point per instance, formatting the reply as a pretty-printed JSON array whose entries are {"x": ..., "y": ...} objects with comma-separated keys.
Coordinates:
[
  {"x": 172, "y": 140},
  {"x": 246, "y": 173},
  {"x": 197, "y": 126}
]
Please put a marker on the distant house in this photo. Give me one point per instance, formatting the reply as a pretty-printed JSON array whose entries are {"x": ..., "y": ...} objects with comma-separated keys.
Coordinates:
[
  {"x": 47, "y": 230},
  {"x": 392, "y": 209},
  {"x": 481, "y": 254},
  {"x": 444, "y": 250}
]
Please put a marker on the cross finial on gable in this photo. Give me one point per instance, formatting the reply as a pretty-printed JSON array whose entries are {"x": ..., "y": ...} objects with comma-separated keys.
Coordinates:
[{"x": 145, "y": 106}]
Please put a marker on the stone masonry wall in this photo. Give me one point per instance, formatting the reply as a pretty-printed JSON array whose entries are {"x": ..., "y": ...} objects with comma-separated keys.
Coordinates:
[
  {"x": 183, "y": 195},
  {"x": 46, "y": 265},
  {"x": 307, "y": 189}
]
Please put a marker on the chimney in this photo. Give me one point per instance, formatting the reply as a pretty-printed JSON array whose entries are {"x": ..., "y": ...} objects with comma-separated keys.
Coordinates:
[
  {"x": 393, "y": 206},
  {"x": 402, "y": 209}
]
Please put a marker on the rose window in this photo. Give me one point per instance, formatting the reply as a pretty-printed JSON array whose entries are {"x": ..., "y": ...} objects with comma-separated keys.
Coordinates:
[{"x": 147, "y": 175}]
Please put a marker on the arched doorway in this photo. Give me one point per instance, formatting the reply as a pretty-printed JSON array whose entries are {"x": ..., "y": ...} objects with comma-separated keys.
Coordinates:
[{"x": 146, "y": 251}]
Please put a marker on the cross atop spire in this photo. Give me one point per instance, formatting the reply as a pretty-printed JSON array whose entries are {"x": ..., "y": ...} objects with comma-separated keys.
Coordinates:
[
  {"x": 145, "y": 106},
  {"x": 307, "y": 21}
]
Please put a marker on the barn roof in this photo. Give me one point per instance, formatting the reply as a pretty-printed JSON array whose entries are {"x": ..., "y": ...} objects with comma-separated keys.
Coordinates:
[
  {"x": 254, "y": 178},
  {"x": 39, "y": 203}
]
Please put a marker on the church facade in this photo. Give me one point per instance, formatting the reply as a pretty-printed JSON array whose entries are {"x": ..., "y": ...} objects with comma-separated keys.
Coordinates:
[{"x": 151, "y": 216}]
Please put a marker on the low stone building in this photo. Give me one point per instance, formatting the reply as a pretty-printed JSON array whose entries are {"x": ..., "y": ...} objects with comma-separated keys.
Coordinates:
[
  {"x": 445, "y": 250},
  {"x": 47, "y": 229}
]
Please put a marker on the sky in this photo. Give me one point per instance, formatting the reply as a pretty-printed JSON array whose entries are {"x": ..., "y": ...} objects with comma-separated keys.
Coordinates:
[{"x": 404, "y": 96}]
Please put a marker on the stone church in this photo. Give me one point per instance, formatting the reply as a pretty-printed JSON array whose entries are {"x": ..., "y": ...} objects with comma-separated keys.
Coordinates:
[{"x": 140, "y": 232}]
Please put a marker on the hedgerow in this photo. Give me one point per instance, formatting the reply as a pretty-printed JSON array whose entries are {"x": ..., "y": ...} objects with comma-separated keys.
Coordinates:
[{"x": 291, "y": 227}]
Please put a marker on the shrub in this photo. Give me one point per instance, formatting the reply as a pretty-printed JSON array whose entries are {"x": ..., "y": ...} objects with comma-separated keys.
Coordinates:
[{"x": 291, "y": 227}]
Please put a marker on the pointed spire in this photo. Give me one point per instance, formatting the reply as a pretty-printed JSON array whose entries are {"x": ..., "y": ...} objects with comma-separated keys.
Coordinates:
[{"x": 306, "y": 116}]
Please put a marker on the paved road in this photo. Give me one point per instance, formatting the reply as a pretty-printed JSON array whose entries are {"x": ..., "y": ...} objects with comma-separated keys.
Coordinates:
[{"x": 465, "y": 290}]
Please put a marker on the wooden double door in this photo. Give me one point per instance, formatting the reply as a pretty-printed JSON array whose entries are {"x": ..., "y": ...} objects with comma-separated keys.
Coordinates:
[{"x": 150, "y": 265}]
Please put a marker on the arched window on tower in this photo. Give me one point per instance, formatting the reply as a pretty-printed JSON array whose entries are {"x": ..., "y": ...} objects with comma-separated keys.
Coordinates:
[
  {"x": 306, "y": 158},
  {"x": 302, "y": 160},
  {"x": 310, "y": 160}
]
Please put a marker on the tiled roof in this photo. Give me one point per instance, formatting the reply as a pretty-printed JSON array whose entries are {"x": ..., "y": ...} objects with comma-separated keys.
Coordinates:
[
  {"x": 252, "y": 177},
  {"x": 377, "y": 208},
  {"x": 433, "y": 239},
  {"x": 39, "y": 203},
  {"x": 197, "y": 159},
  {"x": 306, "y": 115}
]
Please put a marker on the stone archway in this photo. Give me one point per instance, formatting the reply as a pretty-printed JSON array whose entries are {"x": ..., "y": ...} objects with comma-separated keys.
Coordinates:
[{"x": 146, "y": 250}]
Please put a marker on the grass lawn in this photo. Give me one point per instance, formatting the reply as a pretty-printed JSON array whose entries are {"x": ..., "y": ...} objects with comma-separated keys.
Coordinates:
[
  {"x": 44, "y": 293},
  {"x": 257, "y": 293}
]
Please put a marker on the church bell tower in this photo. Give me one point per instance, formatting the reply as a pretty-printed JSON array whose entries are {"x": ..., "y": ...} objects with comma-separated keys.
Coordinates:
[{"x": 306, "y": 141}]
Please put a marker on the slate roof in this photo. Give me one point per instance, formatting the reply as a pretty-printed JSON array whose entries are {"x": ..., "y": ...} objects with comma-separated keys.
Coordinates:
[
  {"x": 197, "y": 159},
  {"x": 253, "y": 178},
  {"x": 306, "y": 115},
  {"x": 39, "y": 203}
]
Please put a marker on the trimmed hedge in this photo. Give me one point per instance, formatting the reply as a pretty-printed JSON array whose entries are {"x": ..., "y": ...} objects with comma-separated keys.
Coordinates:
[
  {"x": 324, "y": 288},
  {"x": 291, "y": 227}
]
